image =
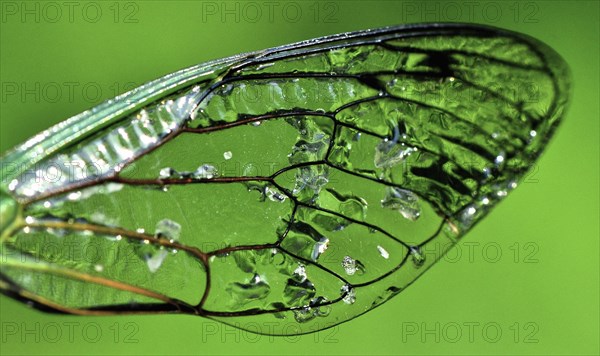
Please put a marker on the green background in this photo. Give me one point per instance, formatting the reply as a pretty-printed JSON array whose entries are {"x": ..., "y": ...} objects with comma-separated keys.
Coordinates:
[{"x": 540, "y": 293}]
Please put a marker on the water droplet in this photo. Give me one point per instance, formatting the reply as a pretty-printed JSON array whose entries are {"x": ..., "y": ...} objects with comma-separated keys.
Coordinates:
[
  {"x": 243, "y": 293},
  {"x": 402, "y": 200},
  {"x": 205, "y": 171},
  {"x": 499, "y": 159},
  {"x": 153, "y": 255},
  {"x": 472, "y": 212},
  {"x": 352, "y": 266},
  {"x": 304, "y": 314},
  {"x": 168, "y": 229},
  {"x": 74, "y": 196},
  {"x": 274, "y": 195},
  {"x": 300, "y": 272},
  {"x": 227, "y": 155},
  {"x": 310, "y": 181},
  {"x": 391, "y": 153},
  {"x": 299, "y": 289},
  {"x": 350, "y": 205},
  {"x": 312, "y": 310},
  {"x": 155, "y": 260},
  {"x": 383, "y": 252},
  {"x": 319, "y": 248},
  {"x": 98, "y": 268},
  {"x": 279, "y": 306},
  {"x": 320, "y": 309},
  {"x": 451, "y": 229},
  {"x": 487, "y": 172},
  {"x": 13, "y": 185},
  {"x": 387, "y": 295},
  {"x": 278, "y": 258},
  {"x": 350, "y": 294},
  {"x": 167, "y": 173},
  {"x": 28, "y": 192},
  {"x": 58, "y": 232},
  {"x": 113, "y": 187},
  {"x": 418, "y": 257},
  {"x": 263, "y": 66}
]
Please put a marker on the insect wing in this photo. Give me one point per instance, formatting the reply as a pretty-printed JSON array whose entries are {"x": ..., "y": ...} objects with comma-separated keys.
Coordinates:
[{"x": 302, "y": 185}]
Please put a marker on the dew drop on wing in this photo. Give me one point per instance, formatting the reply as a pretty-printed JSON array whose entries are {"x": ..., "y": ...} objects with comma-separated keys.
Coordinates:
[
  {"x": 153, "y": 254},
  {"x": 352, "y": 266},
  {"x": 168, "y": 229},
  {"x": 319, "y": 248},
  {"x": 417, "y": 255},
  {"x": 274, "y": 195},
  {"x": 403, "y": 201},
  {"x": 383, "y": 252},
  {"x": 243, "y": 293},
  {"x": 349, "y": 294},
  {"x": 166, "y": 173},
  {"x": 205, "y": 171}
]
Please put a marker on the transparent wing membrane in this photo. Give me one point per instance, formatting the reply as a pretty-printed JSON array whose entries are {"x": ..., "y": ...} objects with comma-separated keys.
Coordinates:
[{"x": 302, "y": 185}]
